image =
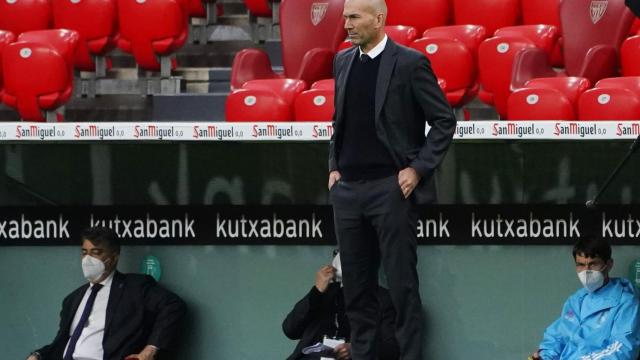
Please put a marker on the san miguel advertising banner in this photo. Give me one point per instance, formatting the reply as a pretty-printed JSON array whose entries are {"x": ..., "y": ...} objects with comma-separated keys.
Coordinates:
[{"x": 313, "y": 225}]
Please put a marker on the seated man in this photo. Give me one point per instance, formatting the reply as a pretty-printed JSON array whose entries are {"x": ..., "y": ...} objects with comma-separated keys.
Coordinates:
[
  {"x": 634, "y": 6},
  {"x": 321, "y": 313},
  {"x": 114, "y": 315},
  {"x": 600, "y": 321}
]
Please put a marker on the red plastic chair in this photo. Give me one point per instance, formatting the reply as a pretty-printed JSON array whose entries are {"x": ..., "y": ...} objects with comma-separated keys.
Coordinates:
[
  {"x": 314, "y": 105},
  {"x": 571, "y": 87},
  {"x": 625, "y": 82},
  {"x": 630, "y": 56},
  {"x": 635, "y": 27},
  {"x": 6, "y": 38},
  {"x": 403, "y": 35},
  {"x": 96, "y": 22},
  {"x": 470, "y": 35},
  {"x": 305, "y": 56},
  {"x": 420, "y": 14},
  {"x": 152, "y": 28},
  {"x": 544, "y": 37},
  {"x": 452, "y": 62},
  {"x": 38, "y": 72},
  {"x": 496, "y": 56},
  {"x": 535, "y": 12},
  {"x": 260, "y": 8},
  {"x": 540, "y": 104},
  {"x": 257, "y": 105},
  {"x": 492, "y": 14},
  {"x": 609, "y": 104},
  {"x": 18, "y": 16},
  {"x": 326, "y": 84}
]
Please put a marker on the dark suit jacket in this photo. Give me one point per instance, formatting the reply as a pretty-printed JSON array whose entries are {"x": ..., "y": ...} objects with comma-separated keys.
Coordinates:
[
  {"x": 313, "y": 317},
  {"x": 407, "y": 97},
  {"x": 634, "y": 5},
  {"x": 139, "y": 313}
]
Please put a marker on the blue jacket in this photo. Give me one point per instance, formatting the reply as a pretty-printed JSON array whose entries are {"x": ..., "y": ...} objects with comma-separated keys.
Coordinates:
[{"x": 604, "y": 325}]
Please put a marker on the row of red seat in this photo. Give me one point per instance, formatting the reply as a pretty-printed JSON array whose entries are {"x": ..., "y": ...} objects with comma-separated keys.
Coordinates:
[{"x": 146, "y": 29}]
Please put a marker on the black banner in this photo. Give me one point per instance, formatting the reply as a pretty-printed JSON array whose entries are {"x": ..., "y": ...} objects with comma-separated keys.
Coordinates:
[{"x": 313, "y": 225}]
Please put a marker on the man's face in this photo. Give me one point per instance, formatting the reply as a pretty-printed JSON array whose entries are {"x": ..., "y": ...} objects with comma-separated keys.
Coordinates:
[
  {"x": 597, "y": 264},
  {"x": 361, "y": 22},
  {"x": 109, "y": 258}
]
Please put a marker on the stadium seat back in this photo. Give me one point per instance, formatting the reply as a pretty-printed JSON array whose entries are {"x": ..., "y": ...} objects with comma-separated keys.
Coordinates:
[
  {"x": 629, "y": 55},
  {"x": 470, "y": 35},
  {"x": 314, "y": 105},
  {"x": 301, "y": 22},
  {"x": 420, "y": 14},
  {"x": 6, "y": 38},
  {"x": 96, "y": 22},
  {"x": 450, "y": 60},
  {"x": 257, "y": 105},
  {"x": 152, "y": 28},
  {"x": 261, "y": 8},
  {"x": 287, "y": 89},
  {"x": 540, "y": 104},
  {"x": 571, "y": 87},
  {"x": 625, "y": 82},
  {"x": 592, "y": 33},
  {"x": 609, "y": 104},
  {"x": 18, "y": 16},
  {"x": 543, "y": 36},
  {"x": 536, "y": 12},
  {"x": 492, "y": 14},
  {"x": 326, "y": 84}
]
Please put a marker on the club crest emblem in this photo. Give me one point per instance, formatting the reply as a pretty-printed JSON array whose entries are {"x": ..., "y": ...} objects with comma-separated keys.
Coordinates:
[
  {"x": 318, "y": 12},
  {"x": 598, "y": 8}
]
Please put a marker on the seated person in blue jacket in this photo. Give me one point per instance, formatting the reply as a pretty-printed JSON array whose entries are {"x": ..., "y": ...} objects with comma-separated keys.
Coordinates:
[
  {"x": 113, "y": 316},
  {"x": 321, "y": 314},
  {"x": 599, "y": 321}
]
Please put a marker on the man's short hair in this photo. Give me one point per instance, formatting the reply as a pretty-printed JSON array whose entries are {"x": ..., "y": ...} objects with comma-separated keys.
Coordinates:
[
  {"x": 592, "y": 247},
  {"x": 102, "y": 236}
]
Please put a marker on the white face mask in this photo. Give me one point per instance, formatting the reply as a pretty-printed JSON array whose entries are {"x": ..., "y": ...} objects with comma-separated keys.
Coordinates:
[
  {"x": 592, "y": 280},
  {"x": 336, "y": 264},
  {"x": 92, "y": 268}
]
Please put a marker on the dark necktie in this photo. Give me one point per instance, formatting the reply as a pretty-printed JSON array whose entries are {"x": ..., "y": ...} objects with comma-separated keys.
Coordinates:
[
  {"x": 364, "y": 58},
  {"x": 83, "y": 322}
]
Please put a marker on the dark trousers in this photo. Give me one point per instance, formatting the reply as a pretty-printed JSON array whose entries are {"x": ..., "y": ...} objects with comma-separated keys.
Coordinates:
[{"x": 374, "y": 224}]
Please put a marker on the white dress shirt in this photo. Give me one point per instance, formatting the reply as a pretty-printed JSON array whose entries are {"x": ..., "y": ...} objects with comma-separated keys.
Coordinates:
[
  {"x": 377, "y": 50},
  {"x": 89, "y": 345}
]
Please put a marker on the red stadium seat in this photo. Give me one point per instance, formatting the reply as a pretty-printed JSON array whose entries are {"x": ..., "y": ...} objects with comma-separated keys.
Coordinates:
[
  {"x": 609, "y": 104},
  {"x": 625, "y": 82},
  {"x": 492, "y": 14},
  {"x": 544, "y": 37},
  {"x": 38, "y": 72},
  {"x": 304, "y": 56},
  {"x": 403, "y": 35},
  {"x": 6, "y": 38},
  {"x": 18, "y": 16},
  {"x": 152, "y": 28},
  {"x": 287, "y": 89},
  {"x": 470, "y": 35},
  {"x": 571, "y": 87},
  {"x": 547, "y": 12},
  {"x": 540, "y": 104},
  {"x": 314, "y": 105},
  {"x": 496, "y": 56},
  {"x": 196, "y": 8},
  {"x": 635, "y": 27},
  {"x": 96, "y": 22},
  {"x": 592, "y": 35},
  {"x": 452, "y": 62},
  {"x": 260, "y": 8},
  {"x": 326, "y": 84},
  {"x": 630, "y": 55},
  {"x": 420, "y": 14},
  {"x": 257, "y": 105}
]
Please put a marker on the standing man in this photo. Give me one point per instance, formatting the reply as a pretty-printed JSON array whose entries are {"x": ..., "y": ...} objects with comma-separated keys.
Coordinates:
[
  {"x": 114, "y": 316},
  {"x": 378, "y": 156}
]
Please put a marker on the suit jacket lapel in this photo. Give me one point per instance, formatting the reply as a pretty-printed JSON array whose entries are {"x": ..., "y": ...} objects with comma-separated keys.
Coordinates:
[
  {"x": 387, "y": 64},
  {"x": 117, "y": 288},
  {"x": 74, "y": 306},
  {"x": 342, "y": 82}
]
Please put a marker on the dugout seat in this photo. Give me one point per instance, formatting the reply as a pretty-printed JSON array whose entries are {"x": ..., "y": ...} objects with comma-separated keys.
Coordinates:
[
  {"x": 326, "y": 84},
  {"x": 609, "y": 104},
  {"x": 6, "y": 38},
  {"x": 630, "y": 56},
  {"x": 419, "y": 14},
  {"x": 95, "y": 21},
  {"x": 540, "y": 104},
  {"x": 152, "y": 29},
  {"x": 492, "y": 14},
  {"x": 571, "y": 87},
  {"x": 259, "y": 8},
  {"x": 264, "y": 100},
  {"x": 18, "y": 16},
  {"x": 624, "y": 82},
  {"x": 304, "y": 56},
  {"x": 314, "y": 105},
  {"x": 535, "y": 12},
  {"x": 38, "y": 72},
  {"x": 470, "y": 35}
]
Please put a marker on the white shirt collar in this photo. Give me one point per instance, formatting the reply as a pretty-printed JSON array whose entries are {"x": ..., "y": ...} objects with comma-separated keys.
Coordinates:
[
  {"x": 106, "y": 282},
  {"x": 376, "y": 49}
]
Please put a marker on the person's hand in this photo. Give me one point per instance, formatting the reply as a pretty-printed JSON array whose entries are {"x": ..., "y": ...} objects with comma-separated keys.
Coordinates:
[
  {"x": 324, "y": 276},
  {"x": 148, "y": 353},
  {"x": 408, "y": 179},
  {"x": 343, "y": 351},
  {"x": 334, "y": 177},
  {"x": 535, "y": 355},
  {"x": 32, "y": 357}
]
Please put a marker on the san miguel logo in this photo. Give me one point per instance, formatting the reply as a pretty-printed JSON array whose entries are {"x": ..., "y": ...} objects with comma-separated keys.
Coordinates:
[
  {"x": 598, "y": 8},
  {"x": 318, "y": 12}
]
